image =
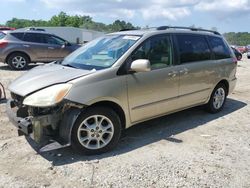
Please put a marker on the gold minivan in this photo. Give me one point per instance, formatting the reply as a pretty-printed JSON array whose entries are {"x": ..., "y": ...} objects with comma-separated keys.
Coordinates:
[{"x": 119, "y": 80}]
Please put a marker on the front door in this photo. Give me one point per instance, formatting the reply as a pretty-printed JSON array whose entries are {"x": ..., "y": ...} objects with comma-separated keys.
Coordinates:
[
  {"x": 153, "y": 93},
  {"x": 56, "y": 48}
]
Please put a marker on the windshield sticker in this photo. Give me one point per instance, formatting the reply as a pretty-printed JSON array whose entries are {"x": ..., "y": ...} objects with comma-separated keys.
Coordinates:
[{"x": 131, "y": 37}]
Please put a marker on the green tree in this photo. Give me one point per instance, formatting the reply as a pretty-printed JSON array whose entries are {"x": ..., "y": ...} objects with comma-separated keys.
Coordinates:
[
  {"x": 59, "y": 20},
  {"x": 240, "y": 39},
  {"x": 62, "y": 19}
]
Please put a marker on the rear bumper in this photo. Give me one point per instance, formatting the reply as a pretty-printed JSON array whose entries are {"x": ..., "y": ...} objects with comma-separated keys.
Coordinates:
[
  {"x": 2, "y": 60},
  {"x": 2, "y": 56}
]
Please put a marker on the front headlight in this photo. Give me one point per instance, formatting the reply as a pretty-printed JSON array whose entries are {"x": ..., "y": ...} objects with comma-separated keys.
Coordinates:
[{"x": 48, "y": 96}]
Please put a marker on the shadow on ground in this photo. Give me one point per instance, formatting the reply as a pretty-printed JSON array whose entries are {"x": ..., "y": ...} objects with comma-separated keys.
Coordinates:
[{"x": 147, "y": 133}]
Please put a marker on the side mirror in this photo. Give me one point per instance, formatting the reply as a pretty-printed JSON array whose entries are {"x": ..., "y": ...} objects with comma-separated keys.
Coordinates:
[
  {"x": 66, "y": 43},
  {"x": 140, "y": 65}
]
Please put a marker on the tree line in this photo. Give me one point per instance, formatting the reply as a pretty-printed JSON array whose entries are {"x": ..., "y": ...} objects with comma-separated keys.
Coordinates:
[
  {"x": 62, "y": 19},
  {"x": 86, "y": 22},
  {"x": 239, "y": 39}
]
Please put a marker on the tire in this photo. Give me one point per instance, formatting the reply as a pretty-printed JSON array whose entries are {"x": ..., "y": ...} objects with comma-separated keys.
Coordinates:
[
  {"x": 18, "y": 61},
  {"x": 96, "y": 139},
  {"x": 239, "y": 57},
  {"x": 217, "y": 99}
]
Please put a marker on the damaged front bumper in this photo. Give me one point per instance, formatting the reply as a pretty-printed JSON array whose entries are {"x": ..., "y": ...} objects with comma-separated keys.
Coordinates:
[
  {"x": 23, "y": 125},
  {"x": 43, "y": 128}
]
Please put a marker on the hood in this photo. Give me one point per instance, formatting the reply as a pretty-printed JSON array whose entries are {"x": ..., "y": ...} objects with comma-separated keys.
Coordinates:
[{"x": 44, "y": 76}]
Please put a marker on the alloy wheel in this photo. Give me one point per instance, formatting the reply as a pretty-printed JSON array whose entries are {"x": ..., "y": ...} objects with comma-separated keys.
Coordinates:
[
  {"x": 95, "y": 132},
  {"x": 19, "y": 62},
  {"x": 219, "y": 98}
]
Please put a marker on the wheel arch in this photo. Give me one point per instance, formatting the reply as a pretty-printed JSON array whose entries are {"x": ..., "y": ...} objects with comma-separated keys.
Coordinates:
[
  {"x": 114, "y": 106},
  {"x": 22, "y": 52},
  {"x": 73, "y": 113},
  {"x": 225, "y": 83}
]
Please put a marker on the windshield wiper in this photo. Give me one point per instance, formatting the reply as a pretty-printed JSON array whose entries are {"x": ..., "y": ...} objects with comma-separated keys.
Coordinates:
[{"x": 69, "y": 65}]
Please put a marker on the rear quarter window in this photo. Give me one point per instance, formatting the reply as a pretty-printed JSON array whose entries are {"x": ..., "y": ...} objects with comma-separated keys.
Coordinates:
[
  {"x": 2, "y": 35},
  {"x": 193, "y": 48},
  {"x": 17, "y": 35},
  {"x": 219, "y": 48}
]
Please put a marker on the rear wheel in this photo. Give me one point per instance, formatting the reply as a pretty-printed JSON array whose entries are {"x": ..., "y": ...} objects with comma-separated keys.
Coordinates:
[
  {"x": 217, "y": 99},
  {"x": 96, "y": 131},
  {"x": 18, "y": 61}
]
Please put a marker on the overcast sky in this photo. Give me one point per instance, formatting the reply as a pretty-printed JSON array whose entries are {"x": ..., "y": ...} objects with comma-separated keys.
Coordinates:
[{"x": 226, "y": 15}]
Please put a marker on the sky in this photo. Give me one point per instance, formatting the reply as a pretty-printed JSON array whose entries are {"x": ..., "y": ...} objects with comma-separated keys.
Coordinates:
[{"x": 225, "y": 15}]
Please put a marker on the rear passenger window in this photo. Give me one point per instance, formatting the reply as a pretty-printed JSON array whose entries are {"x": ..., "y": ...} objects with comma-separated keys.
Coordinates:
[
  {"x": 18, "y": 35},
  {"x": 219, "y": 48},
  {"x": 34, "y": 37},
  {"x": 193, "y": 48}
]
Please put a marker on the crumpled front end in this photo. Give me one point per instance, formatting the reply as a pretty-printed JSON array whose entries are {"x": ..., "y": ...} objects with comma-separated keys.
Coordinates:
[{"x": 43, "y": 124}]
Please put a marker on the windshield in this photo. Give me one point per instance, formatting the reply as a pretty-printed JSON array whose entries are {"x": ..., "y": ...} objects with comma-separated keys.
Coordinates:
[{"x": 100, "y": 53}]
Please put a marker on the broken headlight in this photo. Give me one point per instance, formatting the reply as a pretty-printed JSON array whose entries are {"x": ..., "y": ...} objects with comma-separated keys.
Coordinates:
[{"x": 49, "y": 96}]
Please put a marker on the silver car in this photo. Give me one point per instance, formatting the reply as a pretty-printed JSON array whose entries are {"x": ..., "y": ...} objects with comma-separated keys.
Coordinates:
[
  {"x": 18, "y": 49},
  {"x": 119, "y": 80}
]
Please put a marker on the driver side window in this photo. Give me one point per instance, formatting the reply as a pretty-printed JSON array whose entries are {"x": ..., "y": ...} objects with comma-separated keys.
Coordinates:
[
  {"x": 50, "y": 39},
  {"x": 157, "y": 50}
]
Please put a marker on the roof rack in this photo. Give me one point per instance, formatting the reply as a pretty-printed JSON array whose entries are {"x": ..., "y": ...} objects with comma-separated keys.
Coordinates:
[
  {"x": 188, "y": 28},
  {"x": 35, "y": 29},
  {"x": 126, "y": 29}
]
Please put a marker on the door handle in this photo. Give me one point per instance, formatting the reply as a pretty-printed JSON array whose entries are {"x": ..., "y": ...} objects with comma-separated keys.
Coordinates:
[
  {"x": 51, "y": 48},
  {"x": 172, "y": 73},
  {"x": 26, "y": 45}
]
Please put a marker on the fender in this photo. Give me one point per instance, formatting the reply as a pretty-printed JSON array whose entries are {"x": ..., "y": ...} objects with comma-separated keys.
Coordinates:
[{"x": 66, "y": 125}]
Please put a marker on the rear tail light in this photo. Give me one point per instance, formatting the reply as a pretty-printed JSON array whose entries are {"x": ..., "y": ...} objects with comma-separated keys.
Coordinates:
[{"x": 3, "y": 44}]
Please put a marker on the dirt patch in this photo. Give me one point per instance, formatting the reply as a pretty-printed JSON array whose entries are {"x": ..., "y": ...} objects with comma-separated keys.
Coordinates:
[{"x": 188, "y": 149}]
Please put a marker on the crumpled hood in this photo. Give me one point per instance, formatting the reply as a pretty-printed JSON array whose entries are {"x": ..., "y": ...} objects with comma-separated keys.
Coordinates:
[{"x": 43, "y": 76}]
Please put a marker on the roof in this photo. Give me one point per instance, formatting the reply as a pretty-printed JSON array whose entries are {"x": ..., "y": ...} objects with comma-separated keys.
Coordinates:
[
  {"x": 30, "y": 31},
  {"x": 62, "y": 28},
  {"x": 167, "y": 29}
]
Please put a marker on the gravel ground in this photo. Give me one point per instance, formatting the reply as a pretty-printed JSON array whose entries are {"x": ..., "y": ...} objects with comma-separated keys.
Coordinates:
[{"x": 188, "y": 149}]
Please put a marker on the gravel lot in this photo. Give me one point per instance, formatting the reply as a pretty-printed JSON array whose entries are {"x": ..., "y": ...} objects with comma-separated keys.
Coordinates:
[{"x": 188, "y": 149}]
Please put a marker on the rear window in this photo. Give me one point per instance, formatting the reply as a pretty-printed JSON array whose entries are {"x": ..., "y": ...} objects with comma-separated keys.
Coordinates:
[
  {"x": 193, "y": 48},
  {"x": 2, "y": 35},
  {"x": 17, "y": 35},
  {"x": 219, "y": 48}
]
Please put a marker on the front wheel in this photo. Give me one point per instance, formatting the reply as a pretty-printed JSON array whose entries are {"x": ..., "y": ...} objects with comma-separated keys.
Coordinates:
[
  {"x": 96, "y": 131},
  {"x": 217, "y": 99}
]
